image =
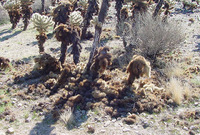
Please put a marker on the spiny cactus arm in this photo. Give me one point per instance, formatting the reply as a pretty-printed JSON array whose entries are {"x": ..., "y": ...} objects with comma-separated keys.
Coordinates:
[
  {"x": 10, "y": 5},
  {"x": 41, "y": 23},
  {"x": 96, "y": 22},
  {"x": 83, "y": 3},
  {"x": 75, "y": 18}
]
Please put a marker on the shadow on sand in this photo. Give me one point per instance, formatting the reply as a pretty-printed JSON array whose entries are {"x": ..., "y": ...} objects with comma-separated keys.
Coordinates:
[{"x": 10, "y": 36}]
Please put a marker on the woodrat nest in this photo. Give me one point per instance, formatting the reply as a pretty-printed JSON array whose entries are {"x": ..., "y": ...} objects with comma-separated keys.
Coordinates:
[
  {"x": 67, "y": 36},
  {"x": 45, "y": 63},
  {"x": 4, "y": 63},
  {"x": 102, "y": 59}
]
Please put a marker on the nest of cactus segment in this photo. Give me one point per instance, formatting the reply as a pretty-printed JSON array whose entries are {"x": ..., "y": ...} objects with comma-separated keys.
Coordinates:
[{"x": 69, "y": 35}]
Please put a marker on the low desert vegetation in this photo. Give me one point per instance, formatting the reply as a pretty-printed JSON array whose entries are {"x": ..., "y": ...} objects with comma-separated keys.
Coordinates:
[
  {"x": 178, "y": 91},
  {"x": 153, "y": 36},
  {"x": 147, "y": 73}
]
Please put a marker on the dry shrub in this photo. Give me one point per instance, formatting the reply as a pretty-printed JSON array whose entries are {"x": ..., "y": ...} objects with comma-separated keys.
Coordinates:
[
  {"x": 3, "y": 15},
  {"x": 154, "y": 36}
]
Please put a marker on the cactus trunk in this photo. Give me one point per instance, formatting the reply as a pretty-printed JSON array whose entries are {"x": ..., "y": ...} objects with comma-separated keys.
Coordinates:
[
  {"x": 88, "y": 17},
  {"x": 27, "y": 12},
  {"x": 101, "y": 18},
  {"x": 42, "y": 2},
  {"x": 14, "y": 17},
  {"x": 118, "y": 7},
  {"x": 161, "y": 2},
  {"x": 41, "y": 40},
  {"x": 63, "y": 52}
]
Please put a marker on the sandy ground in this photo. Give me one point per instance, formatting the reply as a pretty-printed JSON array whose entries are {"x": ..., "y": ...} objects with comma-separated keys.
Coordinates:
[{"x": 22, "y": 45}]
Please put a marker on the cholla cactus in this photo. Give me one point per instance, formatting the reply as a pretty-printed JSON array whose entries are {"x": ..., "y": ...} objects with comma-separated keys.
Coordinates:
[
  {"x": 140, "y": 6},
  {"x": 73, "y": 1},
  {"x": 41, "y": 23},
  {"x": 61, "y": 13},
  {"x": 83, "y": 4},
  {"x": 26, "y": 11},
  {"x": 27, "y": 2},
  {"x": 96, "y": 22},
  {"x": 13, "y": 8},
  {"x": 75, "y": 19},
  {"x": 189, "y": 5},
  {"x": 12, "y": 4}
]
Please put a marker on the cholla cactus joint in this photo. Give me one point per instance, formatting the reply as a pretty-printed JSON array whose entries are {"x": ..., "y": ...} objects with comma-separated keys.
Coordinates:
[
  {"x": 75, "y": 18},
  {"x": 41, "y": 22},
  {"x": 96, "y": 22}
]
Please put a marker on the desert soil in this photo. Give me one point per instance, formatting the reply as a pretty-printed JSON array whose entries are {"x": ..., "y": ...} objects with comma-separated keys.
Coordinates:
[{"x": 21, "y": 46}]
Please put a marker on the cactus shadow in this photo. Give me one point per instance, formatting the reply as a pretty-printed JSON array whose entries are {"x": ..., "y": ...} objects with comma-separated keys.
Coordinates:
[
  {"x": 197, "y": 49},
  {"x": 5, "y": 31},
  {"x": 10, "y": 36}
]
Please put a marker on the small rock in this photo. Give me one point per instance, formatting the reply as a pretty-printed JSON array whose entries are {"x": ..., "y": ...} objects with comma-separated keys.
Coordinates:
[
  {"x": 14, "y": 99},
  {"x": 126, "y": 130},
  {"x": 13, "y": 102},
  {"x": 97, "y": 119},
  {"x": 14, "y": 86},
  {"x": 90, "y": 129},
  {"x": 10, "y": 131},
  {"x": 2, "y": 133},
  {"x": 27, "y": 120},
  {"x": 192, "y": 133},
  {"x": 196, "y": 103},
  {"x": 19, "y": 105},
  {"x": 185, "y": 128},
  {"x": 102, "y": 131},
  {"x": 193, "y": 127},
  {"x": 121, "y": 124},
  {"x": 114, "y": 120},
  {"x": 145, "y": 125},
  {"x": 107, "y": 123}
]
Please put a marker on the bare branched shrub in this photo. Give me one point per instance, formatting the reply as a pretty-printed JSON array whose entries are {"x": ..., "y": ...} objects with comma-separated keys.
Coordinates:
[
  {"x": 153, "y": 36},
  {"x": 3, "y": 15}
]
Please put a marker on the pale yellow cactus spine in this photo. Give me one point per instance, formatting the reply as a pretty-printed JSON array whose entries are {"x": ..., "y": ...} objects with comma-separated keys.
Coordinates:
[
  {"x": 96, "y": 22},
  {"x": 41, "y": 22},
  {"x": 75, "y": 18},
  {"x": 12, "y": 4},
  {"x": 83, "y": 3}
]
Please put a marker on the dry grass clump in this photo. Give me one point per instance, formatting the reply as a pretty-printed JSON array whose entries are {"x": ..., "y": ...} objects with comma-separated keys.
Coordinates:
[
  {"x": 153, "y": 36},
  {"x": 177, "y": 91},
  {"x": 173, "y": 70},
  {"x": 67, "y": 117}
]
